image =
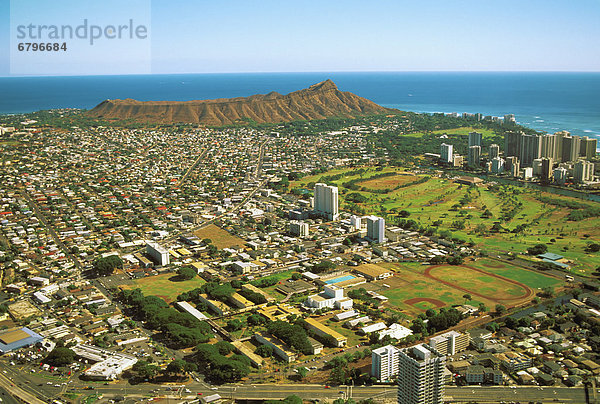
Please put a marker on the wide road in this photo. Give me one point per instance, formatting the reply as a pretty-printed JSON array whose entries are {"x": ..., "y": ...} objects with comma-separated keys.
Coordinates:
[{"x": 452, "y": 395}]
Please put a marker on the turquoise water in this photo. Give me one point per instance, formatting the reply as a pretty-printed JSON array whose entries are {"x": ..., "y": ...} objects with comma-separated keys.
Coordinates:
[
  {"x": 544, "y": 101},
  {"x": 340, "y": 279}
]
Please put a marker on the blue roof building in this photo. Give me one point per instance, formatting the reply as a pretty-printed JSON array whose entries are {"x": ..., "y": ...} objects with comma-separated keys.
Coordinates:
[
  {"x": 16, "y": 338},
  {"x": 550, "y": 256}
]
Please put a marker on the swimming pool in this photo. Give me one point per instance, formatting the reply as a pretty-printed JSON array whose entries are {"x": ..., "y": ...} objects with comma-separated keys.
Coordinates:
[{"x": 340, "y": 279}]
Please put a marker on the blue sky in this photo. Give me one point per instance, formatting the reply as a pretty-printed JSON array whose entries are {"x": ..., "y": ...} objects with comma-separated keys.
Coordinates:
[{"x": 196, "y": 36}]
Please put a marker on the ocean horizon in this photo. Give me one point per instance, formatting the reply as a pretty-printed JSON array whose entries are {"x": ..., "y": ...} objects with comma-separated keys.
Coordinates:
[{"x": 546, "y": 101}]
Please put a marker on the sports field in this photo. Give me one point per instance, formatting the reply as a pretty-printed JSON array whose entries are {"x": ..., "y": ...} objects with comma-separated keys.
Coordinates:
[
  {"x": 219, "y": 237},
  {"x": 415, "y": 288},
  {"x": 162, "y": 286}
]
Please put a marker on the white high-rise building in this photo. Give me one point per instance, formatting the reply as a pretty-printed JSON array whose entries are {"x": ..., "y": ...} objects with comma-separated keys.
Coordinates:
[
  {"x": 158, "y": 253},
  {"x": 560, "y": 175},
  {"x": 376, "y": 229},
  {"x": 355, "y": 222},
  {"x": 326, "y": 201},
  {"x": 446, "y": 153},
  {"x": 494, "y": 151},
  {"x": 583, "y": 171},
  {"x": 420, "y": 375},
  {"x": 384, "y": 362},
  {"x": 299, "y": 228}
]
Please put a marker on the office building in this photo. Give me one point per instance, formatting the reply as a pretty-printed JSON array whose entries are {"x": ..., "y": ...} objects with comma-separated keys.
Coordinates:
[
  {"x": 588, "y": 148},
  {"x": 531, "y": 149},
  {"x": 384, "y": 363},
  {"x": 560, "y": 175},
  {"x": 494, "y": 151},
  {"x": 458, "y": 160},
  {"x": 583, "y": 171},
  {"x": 299, "y": 228},
  {"x": 446, "y": 153},
  {"x": 527, "y": 173},
  {"x": 497, "y": 165},
  {"x": 420, "y": 375},
  {"x": 376, "y": 229},
  {"x": 570, "y": 148},
  {"x": 157, "y": 253},
  {"x": 326, "y": 201},
  {"x": 450, "y": 343},
  {"x": 475, "y": 139},
  {"x": 474, "y": 156}
]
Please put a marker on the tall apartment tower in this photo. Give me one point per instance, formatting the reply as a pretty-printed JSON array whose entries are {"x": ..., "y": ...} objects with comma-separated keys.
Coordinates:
[
  {"x": 531, "y": 148},
  {"x": 546, "y": 174},
  {"x": 376, "y": 229},
  {"x": 446, "y": 153},
  {"x": 326, "y": 201},
  {"x": 355, "y": 222},
  {"x": 384, "y": 362},
  {"x": 549, "y": 147},
  {"x": 474, "y": 156},
  {"x": 512, "y": 143},
  {"x": 475, "y": 139},
  {"x": 570, "y": 148},
  {"x": 420, "y": 375},
  {"x": 583, "y": 171},
  {"x": 588, "y": 148},
  {"x": 494, "y": 151}
]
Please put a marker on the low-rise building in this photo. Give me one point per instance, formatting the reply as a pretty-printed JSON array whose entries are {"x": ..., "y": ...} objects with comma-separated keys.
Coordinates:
[
  {"x": 280, "y": 348},
  {"x": 322, "y": 330}
]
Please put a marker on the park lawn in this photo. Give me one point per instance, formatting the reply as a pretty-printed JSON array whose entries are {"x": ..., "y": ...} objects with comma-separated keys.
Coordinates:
[
  {"x": 353, "y": 338},
  {"x": 163, "y": 287},
  {"x": 465, "y": 277},
  {"x": 464, "y": 131},
  {"x": 219, "y": 237}
]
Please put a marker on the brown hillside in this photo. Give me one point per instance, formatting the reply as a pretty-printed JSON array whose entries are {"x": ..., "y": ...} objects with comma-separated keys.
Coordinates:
[{"x": 319, "y": 101}]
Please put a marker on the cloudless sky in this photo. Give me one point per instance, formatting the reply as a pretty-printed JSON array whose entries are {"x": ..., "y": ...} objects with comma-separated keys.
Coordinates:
[{"x": 198, "y": 36}]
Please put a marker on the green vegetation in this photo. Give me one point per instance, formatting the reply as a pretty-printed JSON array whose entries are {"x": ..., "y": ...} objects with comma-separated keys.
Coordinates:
[
  {"x": 180, "y": 330},
  {"x": 292, "y": 334},
  {"x": 498, "y": 219},
  {"x": 166, "y": 286},
  {"x": 106, "y": 266},
  {"x": 219, "y": 365},
  {"x": 60, "y": 356}
]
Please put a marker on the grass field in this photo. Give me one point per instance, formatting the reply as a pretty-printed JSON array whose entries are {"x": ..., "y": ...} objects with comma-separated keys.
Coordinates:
[
  {"x": 163, "y": 287},
  {"x": 388, "y": 182},
  {"x": 442, "y": 203},
  {"x": 457, "y": 131},
  {"x": 412, "y": 291},
  {"x": 219, "y": 237}
]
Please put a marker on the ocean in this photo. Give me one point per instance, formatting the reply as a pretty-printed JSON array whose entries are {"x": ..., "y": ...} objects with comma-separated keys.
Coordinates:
[{"x": 544, "y": 101}]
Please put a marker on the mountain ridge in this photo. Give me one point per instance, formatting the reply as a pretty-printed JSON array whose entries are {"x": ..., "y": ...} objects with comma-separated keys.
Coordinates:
[{"x": 318, "y": 101}]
